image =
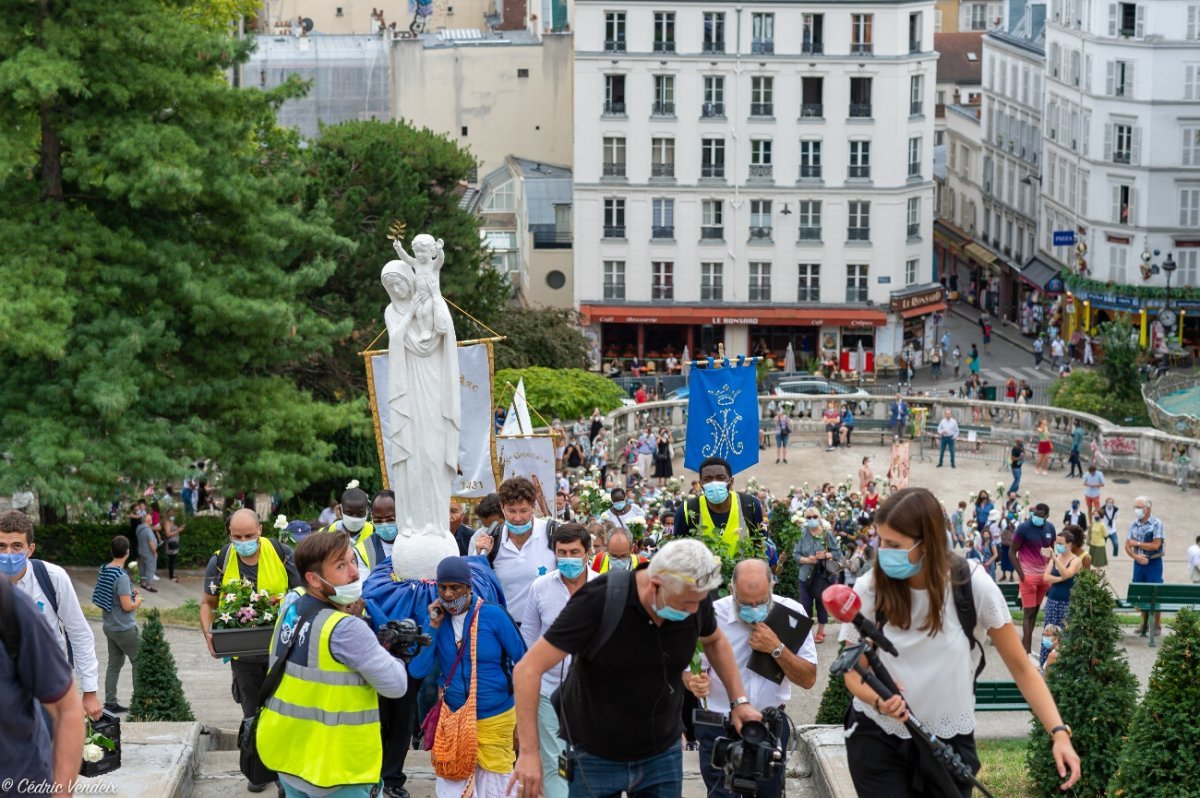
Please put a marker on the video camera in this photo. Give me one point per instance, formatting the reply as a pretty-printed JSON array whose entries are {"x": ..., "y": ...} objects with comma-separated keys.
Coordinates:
[
  {"x": 403, "y": 639},
  {"x": 751, "y": 758}
]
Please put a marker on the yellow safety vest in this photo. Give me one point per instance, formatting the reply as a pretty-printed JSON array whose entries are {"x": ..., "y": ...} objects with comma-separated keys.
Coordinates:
[
  {"x": 605, "y": 560},
  {"x": 367, "y": 529},
  {"x": 322, "y": 723},
  {"x": 272, "y": 575},
  {"x": 734, "y": 529},
  {"x": 366, "y": 548}
]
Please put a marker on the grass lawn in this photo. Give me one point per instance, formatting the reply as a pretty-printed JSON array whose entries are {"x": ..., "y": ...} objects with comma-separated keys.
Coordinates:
[
  {"x": 1003, "y": 769},
  {"x": 187, "y": 614}
]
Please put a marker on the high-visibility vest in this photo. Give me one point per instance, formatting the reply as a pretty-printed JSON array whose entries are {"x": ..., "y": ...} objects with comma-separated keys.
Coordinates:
[
  {"x": 601, "y": 564},
  {"x": 367, "y": 529},
  {"x": 370, "y": 548},
  {"x": 272, "y": 574},
  {"x": 322, "y": 723},
  {"x": 735, "y": 529}
]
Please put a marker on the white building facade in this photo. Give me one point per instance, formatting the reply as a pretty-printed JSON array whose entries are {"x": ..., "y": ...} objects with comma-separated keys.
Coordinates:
[
  {"x": 1122, "y": 154},
  {"x": 754, "y": 175}
]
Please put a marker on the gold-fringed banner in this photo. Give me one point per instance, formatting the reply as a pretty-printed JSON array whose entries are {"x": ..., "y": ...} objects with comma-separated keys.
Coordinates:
[{"x": 478, "y": 462}]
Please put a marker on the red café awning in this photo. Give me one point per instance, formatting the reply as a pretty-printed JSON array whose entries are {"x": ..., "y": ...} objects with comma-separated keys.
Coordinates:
[
  {"x": 753, "y": 316},
  {"x": 924, "y": 310}
]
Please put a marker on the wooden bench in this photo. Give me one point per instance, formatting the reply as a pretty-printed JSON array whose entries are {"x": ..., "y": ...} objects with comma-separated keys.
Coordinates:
[
  {"x": 1146, "y": 597},
  {"x": 1011, "y": 593},
  {"x": 962, "y": 446},
  {"x": 999, "y": 697}
]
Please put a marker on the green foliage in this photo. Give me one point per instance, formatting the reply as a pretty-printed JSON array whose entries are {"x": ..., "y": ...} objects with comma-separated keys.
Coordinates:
[
  {"x": 559, "y": 393},
  {"x": 547, "y": 337},
  {"x": 366, "y": 175},
  {"x": 834, "y": 700},
  {"x": 1090, "y": 392},
  {"x": 1084, "y": 285},
  {"x": 785, "y": 534},
  {"x": 155, "y": 259},
  {"x": 1095, "y": 692},
  {"x": 1120, "y": 360},
  {"x": 1159, "y": 758},
  {"x": 90, "y": 544},
  {"x": 157, "y": 693}
]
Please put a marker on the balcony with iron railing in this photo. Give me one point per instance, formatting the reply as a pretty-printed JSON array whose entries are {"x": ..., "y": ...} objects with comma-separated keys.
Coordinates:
[
  {"x": 614, "y": 45},
  {"x": 762, "y": 109},
  {"x": 812, "y": 48},
  {"x": 614, "y": 109},
  {"x": 914, "y": 231},
  {"x": 812, "y": 110},
  {"x": 761, "y": 171},
  {"x": 760, "y": 233},
  {"x": 858, "y": 234},
  {"x": 861, "y": 48},
  {"x": 762, "y": 47},
  {"x": 552, "y": 239},
  {"x": 662, "y": 108},
  {"x": 712, "y": 170},
  {"x": 810, "y": 171},
  {"x": 1122, "y": 156},
  {"x": 613, "y": 169},
  {"x": 810, "y": 234},
  {"x": 860, "y": 110},
  {"x": 664, "y": 46},
  {"x": 859, "y": 173},
  {"x": 662, "y": 232},
  {"x": 661, "y": 170},
  {"x": 712, "y": 233},
  {"x": 712, "y": 111},
  {"x": 614, "y": 231},
  {"x": 713, "y": 46}
]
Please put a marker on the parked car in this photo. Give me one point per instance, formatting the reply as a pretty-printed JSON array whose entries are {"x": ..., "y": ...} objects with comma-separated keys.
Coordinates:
[
  {"x": 817, "y": 386},
  {"x": 679, "y": 393}
]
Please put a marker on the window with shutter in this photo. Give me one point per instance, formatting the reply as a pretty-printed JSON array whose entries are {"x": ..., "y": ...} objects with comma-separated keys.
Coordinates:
[
  {"x": 1110, "y": 78},
  {"x": 1191, "y": 146},
  {"x": 1189, "y": 207},
  {"x": 1108, "y": 142},
  {"x": 1112, "y": 19},
  {"x": 1135, "y": 151},
  {"x": 1193, "y": 21},
  {"x": 1191, "y": 79},
  {"x": 1139, "y": 30}
]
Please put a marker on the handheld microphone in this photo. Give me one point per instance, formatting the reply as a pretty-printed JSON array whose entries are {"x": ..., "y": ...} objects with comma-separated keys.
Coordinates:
[{"x": 845, "y": 605}]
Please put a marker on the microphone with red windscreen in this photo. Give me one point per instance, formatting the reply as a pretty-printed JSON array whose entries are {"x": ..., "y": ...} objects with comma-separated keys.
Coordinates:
[{"x": 845, "y": 605}]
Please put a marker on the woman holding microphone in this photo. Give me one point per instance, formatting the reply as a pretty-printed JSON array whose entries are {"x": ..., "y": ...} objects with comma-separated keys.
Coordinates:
[{"x": 912, "y": 588}]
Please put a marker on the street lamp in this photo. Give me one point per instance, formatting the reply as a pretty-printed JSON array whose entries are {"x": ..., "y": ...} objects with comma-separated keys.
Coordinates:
[{"x": 1166, "y": 315}]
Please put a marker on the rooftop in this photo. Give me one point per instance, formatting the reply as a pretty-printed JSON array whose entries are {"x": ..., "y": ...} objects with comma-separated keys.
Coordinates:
[
  {"x": 474, "y": 37},
  {"x": 960, "y": 57}
]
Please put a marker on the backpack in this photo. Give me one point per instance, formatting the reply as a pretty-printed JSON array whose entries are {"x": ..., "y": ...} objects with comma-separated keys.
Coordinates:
[
  {"x": 494, "y": 532},
  {"x": 42, "y": 574},
  {"x": 963, "y": 597}
]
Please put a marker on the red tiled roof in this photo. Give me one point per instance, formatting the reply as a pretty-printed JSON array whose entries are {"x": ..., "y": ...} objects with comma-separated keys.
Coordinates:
[{"x": 953, "y": 64}]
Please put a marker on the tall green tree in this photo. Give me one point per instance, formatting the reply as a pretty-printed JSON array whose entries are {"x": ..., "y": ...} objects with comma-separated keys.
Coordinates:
[
  {"x": 369, "y": 174},
  {"x": 1120, "y": 360},
  {"x": 547, "y": 337},
  {"x": 155, "y": 258}
]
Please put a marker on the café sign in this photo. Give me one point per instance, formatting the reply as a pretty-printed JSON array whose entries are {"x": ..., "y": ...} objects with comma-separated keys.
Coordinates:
[{"x": 913, "y": 301}]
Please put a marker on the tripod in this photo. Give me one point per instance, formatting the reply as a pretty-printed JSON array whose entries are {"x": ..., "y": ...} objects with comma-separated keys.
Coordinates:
[{"x": 876, "y": 676}]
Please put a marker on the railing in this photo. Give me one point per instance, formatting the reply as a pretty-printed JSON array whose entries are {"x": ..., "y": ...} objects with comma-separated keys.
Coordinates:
[
  {"x": 614, "y": 109},
  {"x": 552, "y": 240},
  {"x": 712, "y": 110},
  {"x": 914, "y": 230},
  {"x": 664, "y": 47},
  {"x": 812, "y": 110},
  {"x": 810, "y": 171},
  {"x": 812, "y": 48},
  {"x": 662, "y": 170},
  {"x": 860, "y": 110},
  {"x": 760, "y": 171},
  {"x": 713, "y": 46},
  {"x": 861, "y": 48},
  {"x": 712, "y": 293},
  {"x": 712, "y": 170},
  {"x": 810, "y": 234},
  {"x": 760, "y": 233},
  {"x": 858, "y": 234},
  {"x": 760, "y": 293},
  {"x": 1122, "y": 157},
  {"x": 762, "y": 109},
  {"x": 613, "y": 170},
  {"x": 663, "y": 109},
  {"x": 856, "y": 295},
  {"x": 914, "y": 45},
  {"x": 915, "y": 108},
  {"x": 712, "y": 233},
  {"x": 614, "y": 45},
  {"x": 614, "y": 231},
  {"x": 762, "y": 47},
  {"x": 859, "y": 172},
  {"x": 662, "y": 231}
]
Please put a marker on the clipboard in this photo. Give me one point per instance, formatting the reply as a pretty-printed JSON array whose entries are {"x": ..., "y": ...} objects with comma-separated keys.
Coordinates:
[{"x": 792, "y": 629}]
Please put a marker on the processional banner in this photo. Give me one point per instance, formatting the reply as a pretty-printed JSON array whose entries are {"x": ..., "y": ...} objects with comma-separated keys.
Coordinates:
[{"x": 723, "y": 416}]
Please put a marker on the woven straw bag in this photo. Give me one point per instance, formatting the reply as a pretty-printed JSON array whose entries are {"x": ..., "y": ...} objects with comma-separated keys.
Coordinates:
[{"x": 456, "y": 744}]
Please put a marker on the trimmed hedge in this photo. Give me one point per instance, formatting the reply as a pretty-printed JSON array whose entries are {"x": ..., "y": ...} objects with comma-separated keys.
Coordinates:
[{"x": 90, "y": 544}]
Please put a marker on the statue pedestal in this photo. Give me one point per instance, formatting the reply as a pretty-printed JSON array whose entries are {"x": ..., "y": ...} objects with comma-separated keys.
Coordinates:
[{"x": 417, "y": 552}]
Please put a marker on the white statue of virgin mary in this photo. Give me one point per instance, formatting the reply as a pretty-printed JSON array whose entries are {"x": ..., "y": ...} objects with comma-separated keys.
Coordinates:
[{"x": 423, "y": 408}]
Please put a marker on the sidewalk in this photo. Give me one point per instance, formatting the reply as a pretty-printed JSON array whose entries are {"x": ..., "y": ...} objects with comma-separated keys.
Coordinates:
[{"x": 1002, "y": 329}]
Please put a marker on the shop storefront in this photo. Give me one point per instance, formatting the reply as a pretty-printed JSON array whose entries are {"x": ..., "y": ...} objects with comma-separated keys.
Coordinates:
[
  {"x": 948, "y": 243},
  {"x": 1038, "y": 292},
  {"x": 920, "y": 312}
]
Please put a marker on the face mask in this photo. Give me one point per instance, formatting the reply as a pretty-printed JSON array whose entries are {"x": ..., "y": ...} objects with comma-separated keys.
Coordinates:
[
  {"x": 345, "y": 595},
  {"x": 620, "y": 563},
  {"x": 619, "y": 506},
  {"x": 1047, "y": 642},
  {"x": 1037, "y": 520},
  {"x": 1139, "y": 512},
  {"x": 754, "y": 613},
  {"x": 570, "y": 567},
  {"x": 13, "y": 564},
  {"x": 812, "y": 523},
  {"x": 716, "y": 492},
  {"x": 457, "y": 606},
  {"x": 895, "y": 563},
  {"x": 246, "y": 548},
  {"x": 352, "y": 523},
  {"x": 387, "y": 531},
  {"x": 1061, "y": 548},
  {"x": 669, "y": 613},
  {"x": 518, "y": 529}
]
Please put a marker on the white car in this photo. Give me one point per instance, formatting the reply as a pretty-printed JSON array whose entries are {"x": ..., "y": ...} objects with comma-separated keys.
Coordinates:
[{"x": 817, "y": 386}]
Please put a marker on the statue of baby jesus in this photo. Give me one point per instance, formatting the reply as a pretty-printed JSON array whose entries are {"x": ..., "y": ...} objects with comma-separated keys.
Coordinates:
[{"x": 426, "y": 262}]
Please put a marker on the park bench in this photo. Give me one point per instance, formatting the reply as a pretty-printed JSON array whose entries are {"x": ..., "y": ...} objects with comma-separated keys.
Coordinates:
[
  {"x": 962, "y": 447},
  {"x": 1146, "y": 597},
  {"x": 1011, "y": 593},
  {"x": 999, "y": 697},
  {"x": 871, "y": 426}
]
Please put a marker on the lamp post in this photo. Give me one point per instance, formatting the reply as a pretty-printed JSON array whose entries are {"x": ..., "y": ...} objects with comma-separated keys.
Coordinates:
[{"x": 1166, "y": 315}]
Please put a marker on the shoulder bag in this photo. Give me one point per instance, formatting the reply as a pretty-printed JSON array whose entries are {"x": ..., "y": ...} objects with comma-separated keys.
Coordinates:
[{"x": 456, "y": 740}]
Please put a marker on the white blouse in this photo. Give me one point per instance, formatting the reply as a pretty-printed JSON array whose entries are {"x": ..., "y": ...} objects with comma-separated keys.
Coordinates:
[{"x": 937, "y": 672}]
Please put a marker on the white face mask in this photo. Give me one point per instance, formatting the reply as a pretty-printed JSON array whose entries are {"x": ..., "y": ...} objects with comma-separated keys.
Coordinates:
[
  {"x": 345, "y": 595},
  {"x": 353, "y": 523}
]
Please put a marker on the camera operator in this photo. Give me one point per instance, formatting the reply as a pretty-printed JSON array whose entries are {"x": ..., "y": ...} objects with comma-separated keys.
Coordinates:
[
  {"x": 912, "y": 592},
  {"x": 740, "y": 616},
  {"x": 622, "y": 701},
  {"x": 320, "y": 728}
]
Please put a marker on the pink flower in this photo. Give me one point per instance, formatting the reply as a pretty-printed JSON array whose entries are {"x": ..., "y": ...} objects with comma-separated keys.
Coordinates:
[{"x": 246, "y": 614}]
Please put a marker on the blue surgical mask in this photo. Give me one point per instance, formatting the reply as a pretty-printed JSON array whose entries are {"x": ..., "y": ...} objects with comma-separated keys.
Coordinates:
[
  {"x": 754, "y": 613},
  {"x": 246, "y": 548},
  {"x": 1047, "y": 641},
  {"x": 669, "y": 613},
  {"x": 1060, "y": 547},
  {"x": 570, "y": 567},
  {"x": 13, "y": 564},
  {"x": 1037, "y": 520},
  {"x": 716, "y": 492},
  {"x": 895, "y": 563},
  {"x": 812, "y": 523},
  {"x": 387, "y": 531},
  {"x": 518, "y": 529},
  {"x": 619, "y": 506},
  {"x": 620, "y": 563}
]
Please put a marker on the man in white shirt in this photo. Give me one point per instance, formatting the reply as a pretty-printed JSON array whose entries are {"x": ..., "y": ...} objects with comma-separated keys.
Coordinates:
[
  {"x": 329, "y": 515},
  {"x": 740, "y": 617},
  {"x": 948, "y": 433},
  {"x": 1193, "y": 560},
  {"x": 522, "y": 550},
  {"x": 622, "y": 511},
  {"x": 52, "y": 593},
  {"x": 547, "y": 596}
]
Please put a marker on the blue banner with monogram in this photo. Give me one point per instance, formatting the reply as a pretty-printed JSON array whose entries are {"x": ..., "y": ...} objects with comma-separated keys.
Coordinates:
[{"x": 723, "y": 415}]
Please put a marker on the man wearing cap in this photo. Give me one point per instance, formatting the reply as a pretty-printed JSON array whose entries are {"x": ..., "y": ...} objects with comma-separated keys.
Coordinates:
[{"x": 1031, "y": 545}]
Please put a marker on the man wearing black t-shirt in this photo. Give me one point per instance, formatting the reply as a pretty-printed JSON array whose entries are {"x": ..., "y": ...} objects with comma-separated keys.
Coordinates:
[{"x": 622, "y": 707}]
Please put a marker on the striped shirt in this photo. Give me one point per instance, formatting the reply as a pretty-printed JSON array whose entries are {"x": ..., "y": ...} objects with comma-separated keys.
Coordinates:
[{"x": 104, "y": 595}]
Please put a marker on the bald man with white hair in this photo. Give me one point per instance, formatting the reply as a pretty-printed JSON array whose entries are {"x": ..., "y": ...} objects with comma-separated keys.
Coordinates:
[{"x": 740, "y": 616}]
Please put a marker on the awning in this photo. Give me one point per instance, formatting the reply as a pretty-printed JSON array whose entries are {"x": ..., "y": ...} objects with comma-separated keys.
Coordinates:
[
  {"x": 951, "y": 236},
  {"x": 1041, "y": 275},
  {"x": 980, "y": 254},
  {"x": 924, "y": 310},
  {"x": 725, "y": 315}
]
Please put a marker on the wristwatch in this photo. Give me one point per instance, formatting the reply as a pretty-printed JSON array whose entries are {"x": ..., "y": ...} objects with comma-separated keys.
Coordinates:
[
  {"x": 1062, "y": 727},
  {"x": 737, "y": 702},
  {"x": 777, "y": 652}
]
